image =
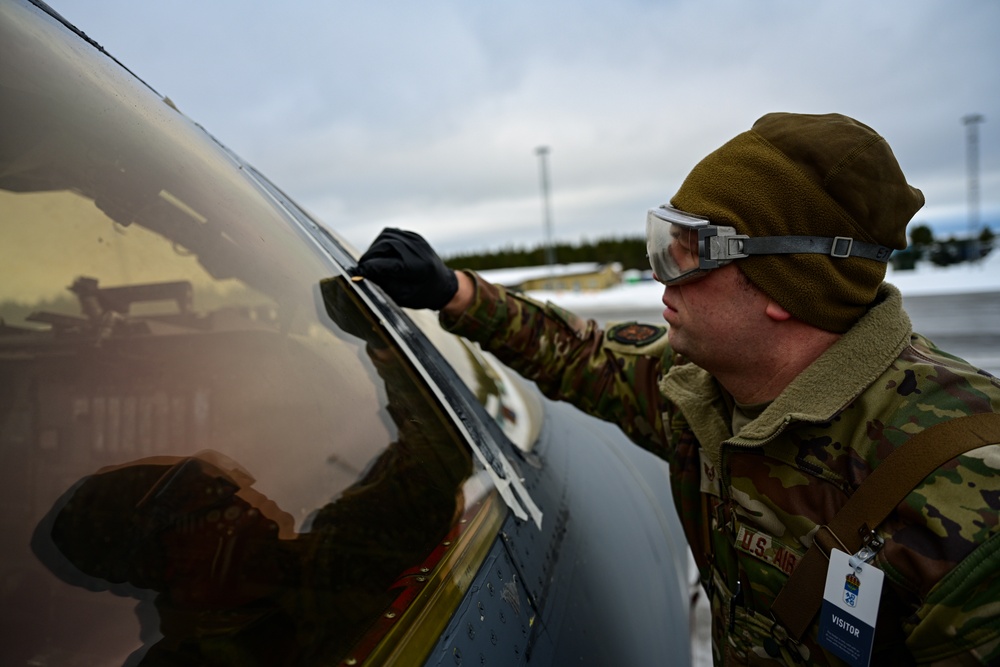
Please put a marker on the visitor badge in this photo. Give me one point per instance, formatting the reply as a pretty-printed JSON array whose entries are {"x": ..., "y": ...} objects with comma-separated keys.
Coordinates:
[{"x": 850, "y": 608}]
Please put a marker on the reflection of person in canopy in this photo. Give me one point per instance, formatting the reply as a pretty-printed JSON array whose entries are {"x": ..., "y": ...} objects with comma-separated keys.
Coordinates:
[{"x": 235, "y": 584}]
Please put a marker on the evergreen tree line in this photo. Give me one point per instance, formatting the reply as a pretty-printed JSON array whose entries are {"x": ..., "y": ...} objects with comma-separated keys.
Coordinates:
[{"x": 629, "y": 252}]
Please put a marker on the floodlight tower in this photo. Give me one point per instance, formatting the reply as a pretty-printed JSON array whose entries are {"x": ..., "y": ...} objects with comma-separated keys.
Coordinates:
[
  {"x": 972, "y": 168},
  {"x": 550, "y": 251}
]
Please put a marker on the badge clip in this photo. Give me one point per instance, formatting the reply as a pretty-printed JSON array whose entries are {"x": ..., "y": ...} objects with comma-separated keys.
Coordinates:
[{"x": 870, "y": 544}]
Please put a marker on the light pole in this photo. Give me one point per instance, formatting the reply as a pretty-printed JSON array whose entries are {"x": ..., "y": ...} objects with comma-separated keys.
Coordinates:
[
  {"x": 550, "y": 251},
  {"x": 972, "y": 169}
]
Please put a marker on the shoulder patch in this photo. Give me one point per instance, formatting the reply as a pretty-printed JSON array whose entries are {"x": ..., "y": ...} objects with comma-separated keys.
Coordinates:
[{"x": 633, "y": 333}]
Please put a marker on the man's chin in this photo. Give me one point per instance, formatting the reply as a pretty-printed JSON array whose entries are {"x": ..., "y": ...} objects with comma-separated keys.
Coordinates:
[{"x": 676, "y": 339}]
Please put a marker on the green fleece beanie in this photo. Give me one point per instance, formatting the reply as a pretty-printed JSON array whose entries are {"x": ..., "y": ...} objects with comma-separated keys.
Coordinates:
[{"x": 809, "y": 175}]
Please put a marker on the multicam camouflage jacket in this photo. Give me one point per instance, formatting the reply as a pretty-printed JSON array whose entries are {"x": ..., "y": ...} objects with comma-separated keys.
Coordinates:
[{"x": 751, "y": 501}]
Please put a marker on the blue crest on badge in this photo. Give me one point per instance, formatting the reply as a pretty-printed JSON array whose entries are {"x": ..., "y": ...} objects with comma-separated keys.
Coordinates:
[{"x": 852, "y": 585}]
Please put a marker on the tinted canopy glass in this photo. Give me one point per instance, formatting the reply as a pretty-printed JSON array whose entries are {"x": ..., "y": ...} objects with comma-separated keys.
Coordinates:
[{"x": 207, "y": 453}]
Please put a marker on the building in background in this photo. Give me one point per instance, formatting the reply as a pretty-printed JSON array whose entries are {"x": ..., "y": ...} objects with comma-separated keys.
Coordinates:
[{"x": 578, "y": 277}]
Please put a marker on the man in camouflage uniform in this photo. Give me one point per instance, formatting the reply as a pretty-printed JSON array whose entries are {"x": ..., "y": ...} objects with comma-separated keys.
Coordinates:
[{"x": 782, "y": 381}]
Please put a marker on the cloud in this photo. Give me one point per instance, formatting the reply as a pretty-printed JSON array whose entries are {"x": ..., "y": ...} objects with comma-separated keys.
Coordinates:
[{"x": 427, "y": 116}]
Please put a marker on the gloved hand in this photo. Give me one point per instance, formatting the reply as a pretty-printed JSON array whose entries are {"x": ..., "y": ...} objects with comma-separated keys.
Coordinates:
[{"x": 404, "y": 265}]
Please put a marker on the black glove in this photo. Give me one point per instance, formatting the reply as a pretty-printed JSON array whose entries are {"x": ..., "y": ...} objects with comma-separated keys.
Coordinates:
[{"x": 407, "y": 268}]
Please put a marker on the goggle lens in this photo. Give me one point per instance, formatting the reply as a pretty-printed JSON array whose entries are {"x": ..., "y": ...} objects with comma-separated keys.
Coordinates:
[{"x": 674, "y": 245}]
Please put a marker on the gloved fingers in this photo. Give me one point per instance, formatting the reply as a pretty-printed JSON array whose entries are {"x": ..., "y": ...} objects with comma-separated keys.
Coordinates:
[
  {"x": 393, "y": 242},
  {"x": 406, "y": 267}
]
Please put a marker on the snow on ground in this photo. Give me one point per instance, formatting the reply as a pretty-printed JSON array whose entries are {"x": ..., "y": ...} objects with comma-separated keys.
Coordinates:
[
  {"x": 982, "y": 276},
  {"x": 965, "y": 278}
]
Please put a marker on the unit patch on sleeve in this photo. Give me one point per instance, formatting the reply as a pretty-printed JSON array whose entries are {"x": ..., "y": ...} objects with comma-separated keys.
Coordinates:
[{"x": 633, "y": 333}]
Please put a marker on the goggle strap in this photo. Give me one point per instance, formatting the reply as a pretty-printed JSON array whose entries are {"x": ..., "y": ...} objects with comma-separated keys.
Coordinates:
[{"x": 837, "y": 246}]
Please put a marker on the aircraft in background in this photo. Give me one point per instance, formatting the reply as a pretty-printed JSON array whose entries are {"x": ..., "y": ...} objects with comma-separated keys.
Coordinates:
[{"x": 216, "y": 448}]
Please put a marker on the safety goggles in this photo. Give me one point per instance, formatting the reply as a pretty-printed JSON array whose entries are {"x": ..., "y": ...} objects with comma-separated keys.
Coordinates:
[{"x": 682, "y": 247}]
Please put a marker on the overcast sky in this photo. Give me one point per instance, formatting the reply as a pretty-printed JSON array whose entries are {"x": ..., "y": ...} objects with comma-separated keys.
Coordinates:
[{"x": 426, "y": 115}]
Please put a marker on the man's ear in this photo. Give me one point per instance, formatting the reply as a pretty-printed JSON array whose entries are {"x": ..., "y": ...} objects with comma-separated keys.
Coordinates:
[{"x": 776, "y": 312}]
